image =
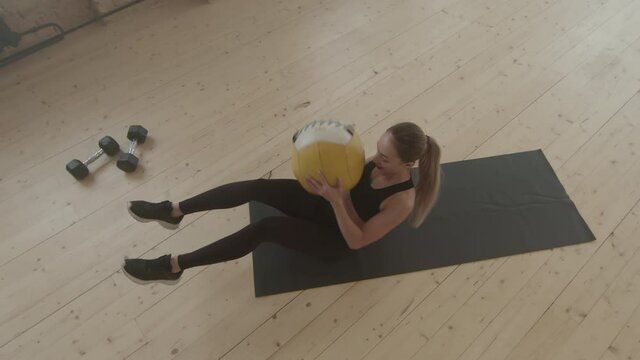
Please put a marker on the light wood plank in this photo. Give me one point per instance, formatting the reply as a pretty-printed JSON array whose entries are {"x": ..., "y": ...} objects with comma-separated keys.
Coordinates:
[{"x": 627, "y": 342}]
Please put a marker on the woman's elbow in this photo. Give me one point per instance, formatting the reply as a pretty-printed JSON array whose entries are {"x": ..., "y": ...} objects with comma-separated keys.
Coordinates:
[
  {"x": 360, "y": 243},
  {"x": 353, "y": 245}
]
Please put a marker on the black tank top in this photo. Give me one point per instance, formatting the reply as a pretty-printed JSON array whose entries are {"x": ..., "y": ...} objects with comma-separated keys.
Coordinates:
[{"x": 366, "y": 200}]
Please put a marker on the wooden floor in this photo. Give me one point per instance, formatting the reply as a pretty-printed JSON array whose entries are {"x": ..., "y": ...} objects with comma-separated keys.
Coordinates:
[{"x": 222, "y": 85}]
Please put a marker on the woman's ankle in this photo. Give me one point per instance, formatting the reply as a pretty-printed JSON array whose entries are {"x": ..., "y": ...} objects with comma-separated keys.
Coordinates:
[
  {"x": 175, "y": 210},
  {"x": 175, "y": 266}
]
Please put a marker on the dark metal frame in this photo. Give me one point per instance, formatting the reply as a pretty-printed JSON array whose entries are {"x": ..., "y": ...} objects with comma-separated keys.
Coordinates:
[{"x": 15, "y": 37}]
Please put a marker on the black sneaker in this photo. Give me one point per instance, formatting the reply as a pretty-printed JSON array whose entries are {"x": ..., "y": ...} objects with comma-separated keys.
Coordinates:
[
  {"x": 143, "y": 271},
  {"x": 145, "y": 211}
]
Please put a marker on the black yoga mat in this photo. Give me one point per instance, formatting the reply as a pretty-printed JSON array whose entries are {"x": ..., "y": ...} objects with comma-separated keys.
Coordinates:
[{"x": 488, "y": 208}]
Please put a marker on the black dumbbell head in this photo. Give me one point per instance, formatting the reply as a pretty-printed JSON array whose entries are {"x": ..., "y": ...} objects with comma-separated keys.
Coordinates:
[
  {"x": 127, "y": 162},
  {"x": 137, "y": 132},
  {"x": 77, "y": 169},
  {"x": 109, "y": 145}
]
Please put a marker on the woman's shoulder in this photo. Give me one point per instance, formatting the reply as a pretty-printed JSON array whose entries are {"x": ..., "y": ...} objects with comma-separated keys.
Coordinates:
[{"x": 401, "y": 200}]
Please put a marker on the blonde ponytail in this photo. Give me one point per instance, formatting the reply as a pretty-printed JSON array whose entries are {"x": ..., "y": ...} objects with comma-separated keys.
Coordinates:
[
  {"x": 428, "y": 187},
  {"x": 412, "y": 144}
]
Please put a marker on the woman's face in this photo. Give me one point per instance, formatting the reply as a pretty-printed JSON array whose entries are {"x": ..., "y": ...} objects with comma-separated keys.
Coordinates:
[{"x": 386, "y": 159}]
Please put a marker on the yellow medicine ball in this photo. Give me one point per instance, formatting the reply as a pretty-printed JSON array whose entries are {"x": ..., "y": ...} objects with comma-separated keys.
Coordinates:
[{"x": 331, "y": 147}]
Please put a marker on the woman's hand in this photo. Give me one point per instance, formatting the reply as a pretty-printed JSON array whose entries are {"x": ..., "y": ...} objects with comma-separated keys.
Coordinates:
[{"x": 330, "y": 193}]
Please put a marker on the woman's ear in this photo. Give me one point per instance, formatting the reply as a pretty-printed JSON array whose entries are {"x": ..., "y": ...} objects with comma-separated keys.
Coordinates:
[{"x": 409, "y": 165}]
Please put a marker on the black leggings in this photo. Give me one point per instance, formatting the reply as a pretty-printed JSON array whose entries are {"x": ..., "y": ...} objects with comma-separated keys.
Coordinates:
[{"x": 309, "y": 226}]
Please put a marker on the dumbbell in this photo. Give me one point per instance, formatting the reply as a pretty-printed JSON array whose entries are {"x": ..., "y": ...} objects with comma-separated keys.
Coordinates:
[
  {"x": 79, "y": 169},
  {"x": 128, "y": 161}
]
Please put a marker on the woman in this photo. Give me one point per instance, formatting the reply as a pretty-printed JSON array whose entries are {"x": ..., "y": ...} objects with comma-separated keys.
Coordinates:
[{"x": 326, "y": 224}]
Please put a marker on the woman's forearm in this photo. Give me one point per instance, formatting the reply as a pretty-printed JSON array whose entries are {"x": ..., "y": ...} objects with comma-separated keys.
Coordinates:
[
  {"x": 349, "y": 204},
  {"x": 351, "y": 211},
  {"x": 351, "y": 231}
]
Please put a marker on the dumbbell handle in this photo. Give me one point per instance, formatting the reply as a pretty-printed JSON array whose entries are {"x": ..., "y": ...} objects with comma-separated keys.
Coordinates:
[
  {"x": 93, "y": 157},
  {"x": 132, "y": 146}
]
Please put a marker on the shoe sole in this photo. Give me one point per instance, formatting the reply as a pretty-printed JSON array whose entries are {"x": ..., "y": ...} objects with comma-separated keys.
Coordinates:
[
  {"x": 164, "y": 224},
  {"x": 147, "y": 282}
]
